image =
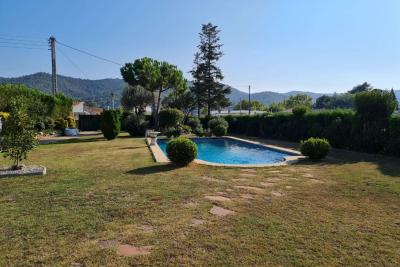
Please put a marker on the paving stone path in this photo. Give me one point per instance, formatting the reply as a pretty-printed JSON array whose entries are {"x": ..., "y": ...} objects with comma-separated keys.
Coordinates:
[
  {"x": 220, "y": 212},
  {"x": 196, "y": 222},
  {"x": 128, "y": 250},
  {"x": 250, "y": 188},
  {"x": 217, "y": 198}
]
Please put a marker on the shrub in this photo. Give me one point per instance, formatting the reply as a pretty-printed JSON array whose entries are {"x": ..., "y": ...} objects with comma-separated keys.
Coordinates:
[
  {"x": 300, "y": 110},
  {"x": 18, "y": 134},
  {"x": 40, "y": 126},
  {"x": 135, "y": 125},
  {"x": 4, "y": 115},
  {"x": 181, "y": 151},
  {"x": 217, "y": 121},
  {"x": 60, "y": 124},
  {"x": 110, "y": 124},
  {"x": 373, "y": 111},
  {"x": 49, "y": 123},
  {"x": 315, "y": 148},
  {"x": 195, "y": 124},
  {"x": 177, "y": 131},
  {"x": 71, "y": 122},
  {"x": 170, "y": 117},
  {"x": 219, "y": 130}
]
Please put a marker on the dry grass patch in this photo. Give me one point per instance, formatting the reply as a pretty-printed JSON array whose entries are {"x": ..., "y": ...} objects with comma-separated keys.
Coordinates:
[{"x": 98, "y": 195}]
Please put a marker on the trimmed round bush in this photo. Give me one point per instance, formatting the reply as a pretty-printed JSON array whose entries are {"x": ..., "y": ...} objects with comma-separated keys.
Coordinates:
[
  {"x": 181, "y": 151},
  {"x": 219, "y": 130},
  {"x": 300, "y": 110},
  {"x": 110, "y": 124},
  {"x": 315, "y": 148},
  {"x": 170, "y": 117},
  {"x": 135, "y": 125},
  {"x": 217, "y": 121}
]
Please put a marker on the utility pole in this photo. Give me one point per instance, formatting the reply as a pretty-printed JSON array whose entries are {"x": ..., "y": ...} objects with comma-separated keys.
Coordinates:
[
  {"x": 52, "y": 44},
  {"x": 249, "y": 102},
  {"x": 112, "y": 100},
  {"x": 240, "y": 103}
]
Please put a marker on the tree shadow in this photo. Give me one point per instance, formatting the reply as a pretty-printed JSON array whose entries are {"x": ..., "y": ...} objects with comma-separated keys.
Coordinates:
[
  {"x": 133, "y": 147},
  {"x": 153, "y": 169},
  {"x": 387, "y": 165},
  {"x": 72, "y": 141}
]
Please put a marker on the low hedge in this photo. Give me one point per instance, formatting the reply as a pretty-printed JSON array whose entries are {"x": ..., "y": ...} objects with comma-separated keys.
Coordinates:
[{"x": 337, "y": 126}]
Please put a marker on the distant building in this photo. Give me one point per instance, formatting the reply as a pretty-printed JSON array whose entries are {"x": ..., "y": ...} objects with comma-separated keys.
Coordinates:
[{"x": 80, "y": 108}]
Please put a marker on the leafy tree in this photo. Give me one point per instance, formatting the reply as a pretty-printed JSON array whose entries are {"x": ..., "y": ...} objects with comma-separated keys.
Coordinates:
[
  {"x": 364, "y": 87},
  {"x": 135, "y": 98},
  {"x": 335, "y": 101},
  {"x": 373, "y": 111},
  {"x": 154, "y": 76},
  {"x": 183, "y": 100},
  {"x": 275, "y": 107},
  {"x": 170, "y": 117},
  {"x": 244, "y": 104},
  {"x": 209, "y": 90},
  {"x": 19, "y": 135},
  {"x": 298, "y": 100}
]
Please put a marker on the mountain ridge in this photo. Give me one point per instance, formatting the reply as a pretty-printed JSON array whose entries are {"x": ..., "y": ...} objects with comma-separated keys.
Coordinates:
[{"x": 99, "y": 91}]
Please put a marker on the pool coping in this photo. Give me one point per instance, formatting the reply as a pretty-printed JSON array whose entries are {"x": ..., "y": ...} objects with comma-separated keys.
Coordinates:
[{"x": 159, "y": 155}]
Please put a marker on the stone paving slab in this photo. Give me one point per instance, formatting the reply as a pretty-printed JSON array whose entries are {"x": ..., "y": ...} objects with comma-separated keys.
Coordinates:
[{"x": 26, "y": 170}]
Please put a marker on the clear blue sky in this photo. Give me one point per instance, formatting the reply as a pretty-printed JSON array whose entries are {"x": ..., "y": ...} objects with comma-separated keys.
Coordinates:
[{"x": 276, "y": 45}]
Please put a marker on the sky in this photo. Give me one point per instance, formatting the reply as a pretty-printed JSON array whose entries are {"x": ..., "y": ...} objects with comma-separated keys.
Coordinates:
[{"x": 272, "y": 45}]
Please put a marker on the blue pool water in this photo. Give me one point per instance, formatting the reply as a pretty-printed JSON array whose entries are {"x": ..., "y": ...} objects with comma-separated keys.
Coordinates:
[{"x": 229, "y": 151}]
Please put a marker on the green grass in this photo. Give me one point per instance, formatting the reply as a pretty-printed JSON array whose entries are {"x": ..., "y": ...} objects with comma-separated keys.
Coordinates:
[{"x": 347, "y": 214}]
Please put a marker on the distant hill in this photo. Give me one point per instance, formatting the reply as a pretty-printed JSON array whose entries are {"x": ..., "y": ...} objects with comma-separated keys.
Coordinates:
[
  {"x": 99, "y": 91},
  {"x": 96, "y": 91},
  {"x": 268, "y": 97}
]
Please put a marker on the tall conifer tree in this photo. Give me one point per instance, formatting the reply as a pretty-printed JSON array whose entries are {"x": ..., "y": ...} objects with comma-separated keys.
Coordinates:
[{"x": 207, "y": 86}]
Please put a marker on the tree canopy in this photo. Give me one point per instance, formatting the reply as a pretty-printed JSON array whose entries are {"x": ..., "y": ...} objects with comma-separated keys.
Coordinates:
[
  {"x": 155, "y": 77},
  {"x": 135, "y": 98}
]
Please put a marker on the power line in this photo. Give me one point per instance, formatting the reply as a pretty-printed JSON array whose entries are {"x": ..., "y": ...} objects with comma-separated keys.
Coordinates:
[
  {"x": 73, "y": 63},
  {"x": 20, "y": 43},
  {"x": 90, "y": 54},
  {"x": 22, "y": 40},
  {"x": 22, "y": 47}
]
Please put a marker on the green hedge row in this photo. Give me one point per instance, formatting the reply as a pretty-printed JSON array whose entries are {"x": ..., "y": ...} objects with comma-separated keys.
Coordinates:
[
  {"x": 39, "y": 104},
  {"x": 337, "y": 126}
]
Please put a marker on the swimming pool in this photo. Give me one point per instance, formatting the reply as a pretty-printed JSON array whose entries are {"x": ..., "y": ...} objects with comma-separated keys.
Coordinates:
[{"x": 233, "y": 151}]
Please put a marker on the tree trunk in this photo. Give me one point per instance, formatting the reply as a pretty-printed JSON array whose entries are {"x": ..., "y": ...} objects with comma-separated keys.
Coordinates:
[{"x": 156, "y": 122}]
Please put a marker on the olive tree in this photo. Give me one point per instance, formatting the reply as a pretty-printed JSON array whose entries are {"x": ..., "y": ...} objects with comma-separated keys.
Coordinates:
[
  {"x": 135, "y": 98},
  {"x": 18, "y": 134}
]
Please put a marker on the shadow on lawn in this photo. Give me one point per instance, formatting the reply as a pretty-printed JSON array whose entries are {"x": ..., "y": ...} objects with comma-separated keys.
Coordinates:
[
  {"x": 153, "y": 169},
  {"x": 387, "y": 165},
  {"x": 72, "y": 141}
]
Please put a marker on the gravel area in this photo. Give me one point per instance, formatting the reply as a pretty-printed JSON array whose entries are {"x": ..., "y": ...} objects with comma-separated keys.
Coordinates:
[{"x": 26, "y": 170}]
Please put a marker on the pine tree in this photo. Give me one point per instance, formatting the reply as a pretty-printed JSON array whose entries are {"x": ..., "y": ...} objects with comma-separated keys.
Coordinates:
[{"x": 209, "y": 90}]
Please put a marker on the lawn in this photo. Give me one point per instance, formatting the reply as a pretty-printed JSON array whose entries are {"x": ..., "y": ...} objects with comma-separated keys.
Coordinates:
[{"x": 99, "y": 194}]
